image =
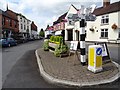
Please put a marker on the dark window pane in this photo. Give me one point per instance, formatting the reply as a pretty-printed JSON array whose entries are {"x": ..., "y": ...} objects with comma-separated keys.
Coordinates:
[
  {"x": 102, "y": 30},
  {"x": 106, "y": 30},
  {"x": 107, "y": 20},
  {"x": 106, "y": 34},
  {"x": 102, "y": 34}
]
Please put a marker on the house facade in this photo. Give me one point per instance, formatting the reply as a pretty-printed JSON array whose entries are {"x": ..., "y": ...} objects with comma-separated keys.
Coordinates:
[
  {"x": 106, "y": 27},
  {"x": 59, "y": 25},
  {"x": 34, "y": 30},
  {"x": 24, "y": 26},
  {"x": 9, "y": 24},
  {"x": 69, "y": 26}
]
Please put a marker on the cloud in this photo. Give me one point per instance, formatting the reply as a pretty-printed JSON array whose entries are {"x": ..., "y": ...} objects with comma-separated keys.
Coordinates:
[{"x": 44, "y": 12}]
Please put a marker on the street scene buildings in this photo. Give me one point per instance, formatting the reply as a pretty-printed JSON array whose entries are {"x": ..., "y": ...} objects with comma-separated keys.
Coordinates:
[
  {"x": 77, "y": 46},
  {"x": 16, "y": 25},
  {"x": 106, "y": 30}
]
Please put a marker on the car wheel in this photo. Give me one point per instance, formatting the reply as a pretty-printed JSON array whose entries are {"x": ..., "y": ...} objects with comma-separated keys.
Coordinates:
[{"x": 9, "y": 45}]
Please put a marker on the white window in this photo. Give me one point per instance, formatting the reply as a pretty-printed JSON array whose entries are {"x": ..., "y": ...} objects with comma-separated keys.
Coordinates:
[
  {"x": 21, "y": 26},
  {"x": 105, "y": 19},
  {"x": 21, "y": 19},
  {"x": 104, "y": 33}
]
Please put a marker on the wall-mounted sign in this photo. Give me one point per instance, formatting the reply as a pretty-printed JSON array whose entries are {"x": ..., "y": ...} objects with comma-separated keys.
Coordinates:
[{"x": 105, "y": 52}]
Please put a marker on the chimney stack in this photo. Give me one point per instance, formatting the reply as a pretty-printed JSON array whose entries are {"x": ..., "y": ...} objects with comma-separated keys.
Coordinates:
[{"x": 106, "y": 3}]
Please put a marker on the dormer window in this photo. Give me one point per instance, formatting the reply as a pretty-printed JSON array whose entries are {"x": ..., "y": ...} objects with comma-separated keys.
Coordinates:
[
  {"x": 70, "y": 22},
  {"x": 105, "y": 19}
]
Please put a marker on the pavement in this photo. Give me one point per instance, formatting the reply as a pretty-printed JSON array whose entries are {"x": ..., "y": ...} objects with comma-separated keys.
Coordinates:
[{"x": 68, "y": 71}]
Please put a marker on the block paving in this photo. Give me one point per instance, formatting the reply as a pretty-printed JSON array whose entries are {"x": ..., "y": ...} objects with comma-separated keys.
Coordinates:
[{"x": 69, "y": 68}]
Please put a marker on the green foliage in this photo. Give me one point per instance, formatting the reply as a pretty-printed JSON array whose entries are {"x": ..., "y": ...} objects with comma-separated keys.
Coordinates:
[
  {"x": 60, "y": 49},
  {"x": 51, "y": 38},
  {"x": 57, "y": 51},
  {"x": 46, "y": 45},
  {"x": 56, "y": 39},
  {"x": 41, "y": 33},
  {"x": 63, "y": 48}
]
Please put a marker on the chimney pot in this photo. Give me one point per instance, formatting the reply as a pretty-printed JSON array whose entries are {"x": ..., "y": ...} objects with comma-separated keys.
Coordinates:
[{"x": 106, "y": 3}]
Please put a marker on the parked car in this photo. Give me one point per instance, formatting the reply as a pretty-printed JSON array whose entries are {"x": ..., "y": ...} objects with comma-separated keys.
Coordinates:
[
  {"x": 7, "y": 42},
  {"x": 21, "y": 40}
]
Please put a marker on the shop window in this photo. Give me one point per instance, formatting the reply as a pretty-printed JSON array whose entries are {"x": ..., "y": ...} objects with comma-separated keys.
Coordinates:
[
  {"x": 105, "y": 19},
  {"x": 104, "y": 33}
]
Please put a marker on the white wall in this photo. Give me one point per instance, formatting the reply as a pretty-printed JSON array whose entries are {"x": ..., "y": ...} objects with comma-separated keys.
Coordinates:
[
  {"x": 71, "y": 10},
  {"x": 112, "y": 34},
  {"x": 26, "y": 23}
]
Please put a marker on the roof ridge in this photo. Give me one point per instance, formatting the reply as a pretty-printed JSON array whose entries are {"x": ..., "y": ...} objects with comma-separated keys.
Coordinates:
[{"x": 74, "y": 6}]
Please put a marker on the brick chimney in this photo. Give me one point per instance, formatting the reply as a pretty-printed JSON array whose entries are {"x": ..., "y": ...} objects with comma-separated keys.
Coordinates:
[{"x": 106, "y": 3}]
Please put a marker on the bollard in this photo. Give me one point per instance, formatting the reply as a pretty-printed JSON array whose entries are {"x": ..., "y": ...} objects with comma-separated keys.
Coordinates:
[{"x": 95, "y": 58}]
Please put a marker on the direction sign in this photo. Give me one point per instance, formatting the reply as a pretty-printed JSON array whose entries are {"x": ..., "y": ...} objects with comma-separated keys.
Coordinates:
[{"x": 99, "y": 51}]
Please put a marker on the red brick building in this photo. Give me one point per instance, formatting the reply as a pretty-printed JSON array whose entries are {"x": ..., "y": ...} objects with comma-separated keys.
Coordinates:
[{"x": 9, "y": 23}]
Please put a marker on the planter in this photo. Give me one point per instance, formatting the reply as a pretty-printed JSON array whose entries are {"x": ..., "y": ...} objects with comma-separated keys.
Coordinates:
[
  {"x": 114, "y": 26},
  {"x": 91, "y": 29}
]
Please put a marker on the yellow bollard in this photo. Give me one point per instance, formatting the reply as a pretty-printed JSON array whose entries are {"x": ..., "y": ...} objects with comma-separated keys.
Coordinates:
[{"x": 95, "y": 58}]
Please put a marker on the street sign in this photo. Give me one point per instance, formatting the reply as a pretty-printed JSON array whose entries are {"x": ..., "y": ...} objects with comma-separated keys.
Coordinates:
[
  {"x": 99, "y": 51},
  {"x": 105, "y": 52}
]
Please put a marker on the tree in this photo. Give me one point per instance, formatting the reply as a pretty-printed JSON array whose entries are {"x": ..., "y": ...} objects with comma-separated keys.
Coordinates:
[{"x": 41, "y": 33}]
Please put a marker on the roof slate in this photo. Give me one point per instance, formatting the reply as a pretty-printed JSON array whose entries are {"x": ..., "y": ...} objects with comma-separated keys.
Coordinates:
[{"x": 114, "y": 7}]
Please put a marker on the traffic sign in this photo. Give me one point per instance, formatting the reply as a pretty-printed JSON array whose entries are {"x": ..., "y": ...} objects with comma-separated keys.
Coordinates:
[{"x": 99, "y": 51}]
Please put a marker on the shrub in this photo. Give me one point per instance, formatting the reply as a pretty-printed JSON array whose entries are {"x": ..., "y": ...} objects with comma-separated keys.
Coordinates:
[
  {"x": 51, "y": 38},
  {"x": 46, "y": 45},
  {"x": 56, "y": 39},
  {"x": 60, "y": 49},
  {"x": 61, "y": 40},
  {"x": 57, "y": 51},
  {"x": 63, "y": 49}
]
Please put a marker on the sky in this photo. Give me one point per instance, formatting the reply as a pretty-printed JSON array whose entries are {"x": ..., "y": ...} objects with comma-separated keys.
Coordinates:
[{"x": 45, "y": 12}]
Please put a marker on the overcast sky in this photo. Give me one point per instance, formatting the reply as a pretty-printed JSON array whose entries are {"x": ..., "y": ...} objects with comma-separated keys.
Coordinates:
[{"x": 44, "y": 12}]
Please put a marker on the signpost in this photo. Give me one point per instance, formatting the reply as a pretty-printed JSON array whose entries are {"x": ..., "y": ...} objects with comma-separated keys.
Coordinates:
[{"x": 84, "y": 14}]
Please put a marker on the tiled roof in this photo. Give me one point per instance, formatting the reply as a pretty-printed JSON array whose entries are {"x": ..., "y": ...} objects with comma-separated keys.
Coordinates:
[
  {"x": 114, "y": 7},
  {"x": 4, "y": 13},
  {"x": 60, "y": 18}
]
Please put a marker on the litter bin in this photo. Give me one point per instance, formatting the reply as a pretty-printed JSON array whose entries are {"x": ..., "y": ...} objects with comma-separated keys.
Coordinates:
[{"x": 95, "y": 58}]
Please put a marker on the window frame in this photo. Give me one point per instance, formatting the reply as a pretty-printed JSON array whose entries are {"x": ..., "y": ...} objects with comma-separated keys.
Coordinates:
[
  {"x": 104, "y": 33},
  {"x": 105, "y": 19}
]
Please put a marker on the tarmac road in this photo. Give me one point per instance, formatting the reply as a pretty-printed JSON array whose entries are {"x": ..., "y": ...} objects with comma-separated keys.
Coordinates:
[{"x": 20, "y": 69}]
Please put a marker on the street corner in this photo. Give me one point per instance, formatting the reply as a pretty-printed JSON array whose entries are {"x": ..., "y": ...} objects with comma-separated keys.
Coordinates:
[{"x": 62, "y": 71}]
